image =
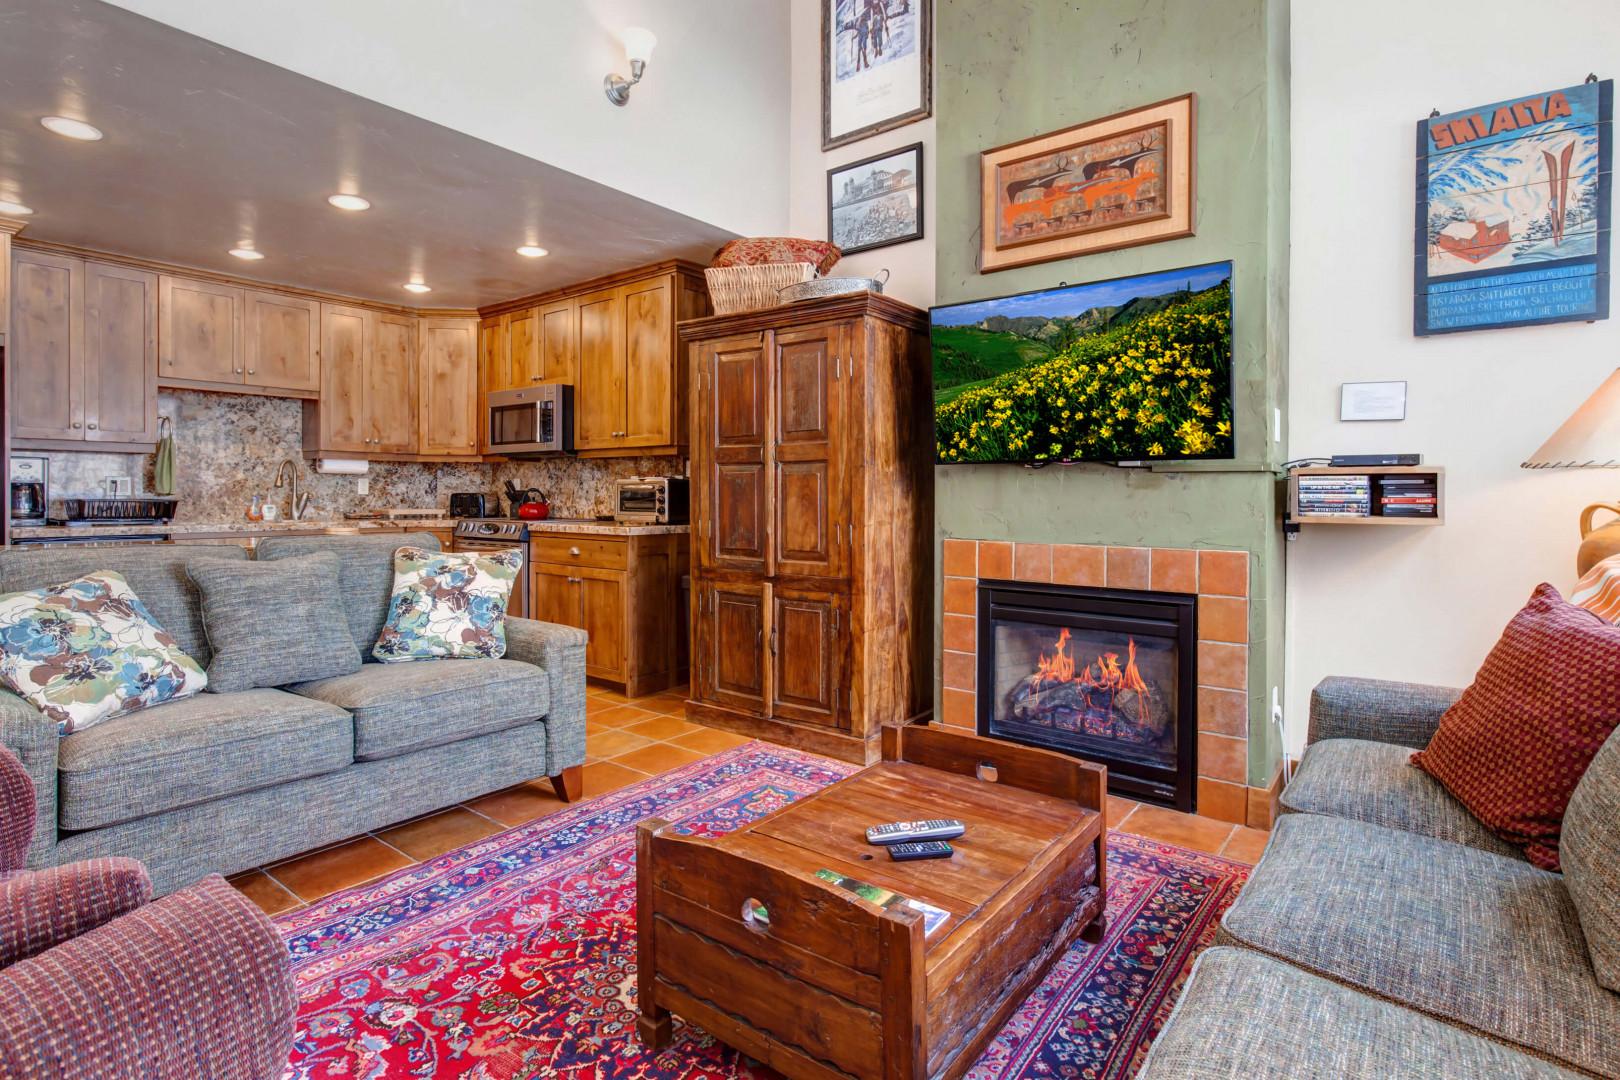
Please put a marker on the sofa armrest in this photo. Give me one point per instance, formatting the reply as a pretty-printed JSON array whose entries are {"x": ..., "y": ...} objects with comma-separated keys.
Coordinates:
[
  {"x": 1378, "y": 710},
  {"x": 40, "y": 909},
  {"x": 196, "y": 984},
  {"x": 560, "y": 651},
  {"x": 26, "y": 732}
]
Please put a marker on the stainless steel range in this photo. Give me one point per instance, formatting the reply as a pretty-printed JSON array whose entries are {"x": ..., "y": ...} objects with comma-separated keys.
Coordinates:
[{"x": 492, "y": 534}]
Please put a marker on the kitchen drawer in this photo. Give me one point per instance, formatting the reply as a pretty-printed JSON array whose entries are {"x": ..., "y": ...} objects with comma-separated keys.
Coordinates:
[{"x": 575, "y": 550}]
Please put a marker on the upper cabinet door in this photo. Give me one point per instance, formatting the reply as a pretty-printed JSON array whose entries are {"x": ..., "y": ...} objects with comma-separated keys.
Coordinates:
[
  {"x": 494, "y": 360},
  {"x": 391, "y": 385},
  {"x": 120, "y": 354},
  {"x": 345, "y": 347},
  {"x": 283, "y": 342},
  {"x": 649, "y": 353},
  {"x": 200, "y": 331},
  {"x": 808, "y": 376},
  {"x": 559, "y": 345},
  {"x": 448, "y": 387},
  {"x": 733, "y": 494},
  {"x": 523, "y": 346},
  {"x": 599, "y": 395},
  {"x": 47, "y": 349}
]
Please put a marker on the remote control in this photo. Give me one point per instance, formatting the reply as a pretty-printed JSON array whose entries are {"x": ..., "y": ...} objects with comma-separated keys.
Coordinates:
[
  {"x": 927, "y": 849},
  {"x": 904, "y": 832}
]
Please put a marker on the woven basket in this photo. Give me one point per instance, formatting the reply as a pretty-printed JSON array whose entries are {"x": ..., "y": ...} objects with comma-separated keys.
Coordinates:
[{"x": 750, "y": 288}]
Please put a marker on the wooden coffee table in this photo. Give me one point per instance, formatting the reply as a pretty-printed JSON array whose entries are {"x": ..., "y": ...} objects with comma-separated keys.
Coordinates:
[{"x": 741, "y": 936}]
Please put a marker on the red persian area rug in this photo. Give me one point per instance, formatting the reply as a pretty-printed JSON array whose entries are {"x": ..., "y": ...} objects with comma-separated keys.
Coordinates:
[{"x": 514, "y": 957}]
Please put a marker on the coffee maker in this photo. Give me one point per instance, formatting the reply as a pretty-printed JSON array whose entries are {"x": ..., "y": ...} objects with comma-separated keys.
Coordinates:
[{"x": 29, "y": 474}]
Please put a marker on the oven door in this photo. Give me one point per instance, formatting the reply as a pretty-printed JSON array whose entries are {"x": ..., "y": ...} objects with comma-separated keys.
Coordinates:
[
  {"x": 518, "y": 603},
  {"x": 640, "y": 503}
]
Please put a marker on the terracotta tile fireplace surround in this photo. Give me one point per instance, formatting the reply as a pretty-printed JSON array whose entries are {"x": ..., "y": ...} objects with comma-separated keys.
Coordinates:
[{"x": 1219, "y": 579}]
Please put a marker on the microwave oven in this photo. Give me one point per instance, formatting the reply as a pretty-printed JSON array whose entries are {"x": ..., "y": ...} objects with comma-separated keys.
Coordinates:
[
  {"x": 533, "y": 421},
  {"x": 652, "y": 500}
]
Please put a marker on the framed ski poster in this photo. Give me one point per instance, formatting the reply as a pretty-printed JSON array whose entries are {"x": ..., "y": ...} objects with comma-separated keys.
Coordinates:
[{"x": 1513, "y": 210}]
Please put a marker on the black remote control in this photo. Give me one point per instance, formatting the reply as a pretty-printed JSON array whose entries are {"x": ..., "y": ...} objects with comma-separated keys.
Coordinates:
[
  {"x": 927, "y": 849},
  {"x": 904, "y": 832}
]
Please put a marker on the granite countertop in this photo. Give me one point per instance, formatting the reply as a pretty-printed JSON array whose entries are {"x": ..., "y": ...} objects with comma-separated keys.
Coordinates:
[{"x": 340, "y": 527}]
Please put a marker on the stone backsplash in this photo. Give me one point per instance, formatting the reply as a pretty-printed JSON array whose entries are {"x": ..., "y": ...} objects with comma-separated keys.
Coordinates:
[{"x": 229, "y": 446}]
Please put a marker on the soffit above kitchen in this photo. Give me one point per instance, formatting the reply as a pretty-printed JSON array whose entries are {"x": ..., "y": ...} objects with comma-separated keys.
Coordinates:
[{"x": 205, "y": 149}]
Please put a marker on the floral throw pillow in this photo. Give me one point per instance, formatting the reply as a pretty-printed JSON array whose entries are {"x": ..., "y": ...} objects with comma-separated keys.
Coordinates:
[
  {"x": 88, "y": 650},
  {"x": 448, "y": 604}
]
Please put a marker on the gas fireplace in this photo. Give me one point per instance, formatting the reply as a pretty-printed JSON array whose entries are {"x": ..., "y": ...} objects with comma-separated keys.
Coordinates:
[{"x": 1103, "y": 674}]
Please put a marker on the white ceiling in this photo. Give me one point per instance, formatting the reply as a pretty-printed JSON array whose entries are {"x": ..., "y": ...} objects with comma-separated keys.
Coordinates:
[{"x": 206, "y": 148}]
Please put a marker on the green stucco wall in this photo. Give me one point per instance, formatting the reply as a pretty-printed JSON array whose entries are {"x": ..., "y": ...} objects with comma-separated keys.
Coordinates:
[{"x": 1010, "y": 70}]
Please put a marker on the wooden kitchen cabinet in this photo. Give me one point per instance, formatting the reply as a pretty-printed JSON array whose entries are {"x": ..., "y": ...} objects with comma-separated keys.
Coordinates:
[
  {"x": 390, "y": 381},
  {"x": 812, "y": 474},
  {"x": 613, "y": 339},
  {"x": 200, "y": 332},
  {"x": 337, "y": 421},
  {"x": 282, "y": 342},
  {"x": 624, "y": 591},
  {"x": 82, "y": 348},
  {"x": 447, "y": 385}
]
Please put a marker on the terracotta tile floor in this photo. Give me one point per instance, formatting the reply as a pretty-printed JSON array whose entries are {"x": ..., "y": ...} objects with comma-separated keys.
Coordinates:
[{"x": 625, "y": 742}]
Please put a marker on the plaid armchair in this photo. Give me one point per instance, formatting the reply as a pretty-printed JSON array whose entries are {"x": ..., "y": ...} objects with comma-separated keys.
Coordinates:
[{"x": 99, "y": 980}]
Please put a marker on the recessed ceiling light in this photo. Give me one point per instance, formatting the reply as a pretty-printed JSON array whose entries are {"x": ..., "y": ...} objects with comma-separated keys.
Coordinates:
[
  {"x": 349, "y": 202},
  {"x": 532, "y": 251},
  {"x": 15, "y": 209},
  {"x": 70, "y": 128},
  {"x": 247, "y": 253},
  {"x": 416, "y": 286}
]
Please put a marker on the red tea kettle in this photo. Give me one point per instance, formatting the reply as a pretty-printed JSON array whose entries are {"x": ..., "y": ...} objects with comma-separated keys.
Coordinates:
[{"x": 530, "y": 504}]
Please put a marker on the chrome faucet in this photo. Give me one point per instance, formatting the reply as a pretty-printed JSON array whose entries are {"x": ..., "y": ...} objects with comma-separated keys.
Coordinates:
[{"x": 296, "y": 503}]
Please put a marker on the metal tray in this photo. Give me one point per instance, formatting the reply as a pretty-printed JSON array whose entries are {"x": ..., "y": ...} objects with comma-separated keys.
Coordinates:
[{"x": 816, "y": 288}]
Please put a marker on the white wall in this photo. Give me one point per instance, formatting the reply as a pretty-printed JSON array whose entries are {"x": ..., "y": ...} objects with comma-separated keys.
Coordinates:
[
  {"x": 1423, "y": 603},
  {"x": 911, "y": 265},
  {"x": 705, "y": 134}
]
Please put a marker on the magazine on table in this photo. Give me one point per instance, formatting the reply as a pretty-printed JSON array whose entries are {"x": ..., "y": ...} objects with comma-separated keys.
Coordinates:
[{"x": 933, "y": 917}]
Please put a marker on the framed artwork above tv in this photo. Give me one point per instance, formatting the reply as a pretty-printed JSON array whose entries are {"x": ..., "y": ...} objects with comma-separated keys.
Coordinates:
[
  {"x": 1132, "y": 369},
  {"x": 1116, "y": 182}
]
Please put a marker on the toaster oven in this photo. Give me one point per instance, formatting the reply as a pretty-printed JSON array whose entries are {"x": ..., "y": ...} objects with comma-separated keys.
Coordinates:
[
  {"x": 652, "y": 500},
  {"x": 533, "y": 421}
]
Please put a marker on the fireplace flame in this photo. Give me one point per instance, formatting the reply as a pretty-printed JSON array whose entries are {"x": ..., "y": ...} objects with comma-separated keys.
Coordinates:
[{"x": 1103, "y": 674}]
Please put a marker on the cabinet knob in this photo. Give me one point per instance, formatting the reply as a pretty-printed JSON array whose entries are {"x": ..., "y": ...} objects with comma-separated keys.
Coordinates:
[
  {"x": 250, "y": 371},
  {"x": 76, "y": 425},
  {"x": 573, "y": 551},
  {"x": 238, "y": 371},
  {"x": 91, "y": 426}
]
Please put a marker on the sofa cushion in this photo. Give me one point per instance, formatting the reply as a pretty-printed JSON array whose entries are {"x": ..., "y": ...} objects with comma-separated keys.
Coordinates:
[
  {"x": 1515, "y": 744},
  {"x": 194, "y": 750},
  {"x": 1481, "y": 940},
  {"x": 88, "y": 650},
  {"x": 1591, "y": 854},
  {"x": 1376, "y": 783},
  {"x": 367, "y": 573},
  {"x": 399, "y": 708},
  {"x": 448, "y": 605},
  {"x": 157, "y": 574},
  {"x": 1245, "y": 1016},
  {"x": 274, "y": 623}
]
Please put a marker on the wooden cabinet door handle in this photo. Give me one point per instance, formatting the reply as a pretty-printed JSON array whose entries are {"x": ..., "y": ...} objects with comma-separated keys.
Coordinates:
[
  {"x": 574, "y": 551},
  {"x": 91, "y": 425}
]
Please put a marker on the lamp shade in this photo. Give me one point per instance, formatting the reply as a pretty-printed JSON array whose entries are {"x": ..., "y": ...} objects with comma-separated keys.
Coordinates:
[
  {"x": 638, "y": 43},
  {"x": 1590, "y": 438}
]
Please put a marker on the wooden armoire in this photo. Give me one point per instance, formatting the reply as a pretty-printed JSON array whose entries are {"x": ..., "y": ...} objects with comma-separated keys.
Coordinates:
[{"x": 812, "y": 522}]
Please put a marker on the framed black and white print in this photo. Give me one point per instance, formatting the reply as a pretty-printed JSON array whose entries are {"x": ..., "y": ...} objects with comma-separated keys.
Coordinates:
[
  {"x": 876, "y": 60},
  {"x": 876, "y": 201}
]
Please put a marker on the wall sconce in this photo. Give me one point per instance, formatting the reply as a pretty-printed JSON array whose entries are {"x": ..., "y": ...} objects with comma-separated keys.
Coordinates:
[{"x": 638, "y": 46}]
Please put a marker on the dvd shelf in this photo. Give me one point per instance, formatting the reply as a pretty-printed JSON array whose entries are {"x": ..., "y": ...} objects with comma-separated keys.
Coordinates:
[{"x": 1390, "y": 495}]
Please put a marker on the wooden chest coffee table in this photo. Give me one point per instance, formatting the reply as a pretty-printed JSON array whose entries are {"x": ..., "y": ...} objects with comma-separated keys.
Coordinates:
[{"x": 746, "y": 936}]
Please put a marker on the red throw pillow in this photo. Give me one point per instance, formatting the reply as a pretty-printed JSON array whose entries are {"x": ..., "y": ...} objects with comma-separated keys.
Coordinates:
[
  {"x": 754, "y": 250},
  {"x": 1517, "y": 741}
]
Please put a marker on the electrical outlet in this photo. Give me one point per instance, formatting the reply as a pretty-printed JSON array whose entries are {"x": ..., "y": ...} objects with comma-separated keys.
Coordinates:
[{"x": 362, "y": 486}]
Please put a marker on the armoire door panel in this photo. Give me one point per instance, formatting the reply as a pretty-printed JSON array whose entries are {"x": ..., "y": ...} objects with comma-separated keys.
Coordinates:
[
  {"x": 733, "y": 497},
  {"x": 739, "y": 521},
  {"x": 807, "y": 468},
  {"x": 731, "y": 645},
  {"x": 804, "y": 646}
]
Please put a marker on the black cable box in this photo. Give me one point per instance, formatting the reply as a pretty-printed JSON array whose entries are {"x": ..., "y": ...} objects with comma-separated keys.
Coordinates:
[{"x": 1358, "y": 461}]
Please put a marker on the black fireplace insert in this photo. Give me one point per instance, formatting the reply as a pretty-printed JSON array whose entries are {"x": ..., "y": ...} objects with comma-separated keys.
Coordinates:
[{"x": 1107, "y": 675}]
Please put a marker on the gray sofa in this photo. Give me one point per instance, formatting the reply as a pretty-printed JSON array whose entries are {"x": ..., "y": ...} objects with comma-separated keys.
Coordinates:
[
  {"x": 1386, "y": 933},
  {"x": 217, "y": 783}
]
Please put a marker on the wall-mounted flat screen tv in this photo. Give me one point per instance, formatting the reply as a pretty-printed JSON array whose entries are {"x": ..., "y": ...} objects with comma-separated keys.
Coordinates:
[{"x": 1132, "y": 369}]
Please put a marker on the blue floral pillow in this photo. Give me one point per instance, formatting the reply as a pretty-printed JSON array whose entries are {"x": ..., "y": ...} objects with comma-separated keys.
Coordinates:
[
  {"x": 88, "y": 650},
  {"x": 448, "y": 604}
]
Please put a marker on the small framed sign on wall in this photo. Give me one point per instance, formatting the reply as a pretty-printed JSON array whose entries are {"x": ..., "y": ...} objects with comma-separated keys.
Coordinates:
[
  {"x": 1372, "y": 401},
  {"x": 1513, "y": 210}
]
